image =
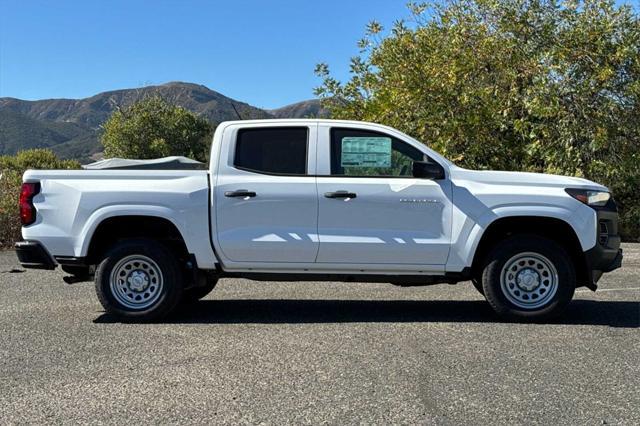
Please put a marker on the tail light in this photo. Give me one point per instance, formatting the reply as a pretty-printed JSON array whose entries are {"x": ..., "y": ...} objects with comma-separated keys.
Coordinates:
[{"x": 27, "y": 209}]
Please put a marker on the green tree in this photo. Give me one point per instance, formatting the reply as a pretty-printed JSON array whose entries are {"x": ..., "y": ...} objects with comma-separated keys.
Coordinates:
[
  {"x": 11, "y": 171},
  {"x": 153, "y": 128},
  {"x": 533, "y": 85}
]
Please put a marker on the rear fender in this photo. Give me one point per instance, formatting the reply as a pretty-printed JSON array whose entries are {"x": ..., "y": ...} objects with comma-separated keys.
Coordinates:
[{"x": 197, "y": 242}]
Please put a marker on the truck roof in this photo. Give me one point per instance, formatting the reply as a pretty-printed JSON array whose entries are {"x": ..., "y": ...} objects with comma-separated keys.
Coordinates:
[{"x": 300, "y": 120}]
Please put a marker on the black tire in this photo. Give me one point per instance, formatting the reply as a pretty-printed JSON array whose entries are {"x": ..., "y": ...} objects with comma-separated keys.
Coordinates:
[
  {"x": 534, "y": 256},
  {"x": 162, "y": 269},
  {"x": 477, "y": 284},
  {"x": 192, "y": 295}
]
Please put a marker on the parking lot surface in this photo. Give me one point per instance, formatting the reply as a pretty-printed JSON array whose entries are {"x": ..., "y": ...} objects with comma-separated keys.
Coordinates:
[{"x": 276, "y": 353}]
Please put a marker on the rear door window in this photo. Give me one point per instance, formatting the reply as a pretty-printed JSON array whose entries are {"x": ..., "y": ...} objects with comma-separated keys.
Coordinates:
[{"x": 272, "y": 150}]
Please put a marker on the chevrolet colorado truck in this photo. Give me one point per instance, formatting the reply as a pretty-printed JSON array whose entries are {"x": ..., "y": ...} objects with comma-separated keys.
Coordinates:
[{"x": 318, "y": 200}]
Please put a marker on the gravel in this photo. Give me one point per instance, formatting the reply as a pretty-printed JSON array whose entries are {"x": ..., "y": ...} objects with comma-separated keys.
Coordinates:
[{"x": 278, "y": 353}]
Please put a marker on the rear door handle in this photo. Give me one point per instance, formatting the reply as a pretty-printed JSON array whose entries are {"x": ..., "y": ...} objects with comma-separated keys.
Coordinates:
[
  {"x": 340, "y": 194},
  {"x": 240, "y": 193}
]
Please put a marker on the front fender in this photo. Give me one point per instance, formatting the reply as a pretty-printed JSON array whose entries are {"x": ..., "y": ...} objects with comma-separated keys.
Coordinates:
[{"x": 471, "y": 230}]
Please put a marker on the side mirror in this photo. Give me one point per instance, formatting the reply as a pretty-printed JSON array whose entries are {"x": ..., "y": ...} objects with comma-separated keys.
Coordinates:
[{"x": 428, "y": 170}]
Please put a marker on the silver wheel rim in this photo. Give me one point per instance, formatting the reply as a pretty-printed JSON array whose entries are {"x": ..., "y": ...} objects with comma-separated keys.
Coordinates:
[
  {"x": 529, "y": 280},
  {"x": 136, "y": 282}
]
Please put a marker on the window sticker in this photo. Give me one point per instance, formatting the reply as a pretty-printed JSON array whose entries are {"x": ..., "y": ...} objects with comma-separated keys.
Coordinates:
[{"x": 366, "y": 152}]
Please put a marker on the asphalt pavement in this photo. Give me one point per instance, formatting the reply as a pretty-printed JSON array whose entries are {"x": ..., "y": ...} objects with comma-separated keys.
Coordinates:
[{"x": 282, "y": 353}]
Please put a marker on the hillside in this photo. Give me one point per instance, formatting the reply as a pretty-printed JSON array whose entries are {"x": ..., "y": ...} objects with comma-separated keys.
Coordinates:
[
  {"x": 70, "y": 127},
  {"x": 304, "y": 109}
]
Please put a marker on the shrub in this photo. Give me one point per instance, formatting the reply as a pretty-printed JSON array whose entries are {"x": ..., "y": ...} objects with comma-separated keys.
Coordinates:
[
  {"x": 11, "y": 170},
  {"x": 532, "y": 85},
  {"x": 153, "y": 128}
]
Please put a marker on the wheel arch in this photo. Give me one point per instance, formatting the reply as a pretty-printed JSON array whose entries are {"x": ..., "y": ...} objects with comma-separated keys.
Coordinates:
[
  {"x": 114, "y": 228},
  {"x": 553, "y": 228}
]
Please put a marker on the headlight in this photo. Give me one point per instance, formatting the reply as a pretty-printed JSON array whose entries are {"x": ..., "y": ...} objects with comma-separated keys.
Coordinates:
[{"x": 590, "y": 198}]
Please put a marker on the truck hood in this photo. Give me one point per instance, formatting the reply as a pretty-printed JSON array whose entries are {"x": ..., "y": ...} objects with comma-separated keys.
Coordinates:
[{"x": 523, "y": 179}]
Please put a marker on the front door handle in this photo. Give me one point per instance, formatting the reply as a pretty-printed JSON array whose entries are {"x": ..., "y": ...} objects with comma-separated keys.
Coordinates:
[
  {"x": 240, "y": 193},
  {"x": 340, "y": 194}
]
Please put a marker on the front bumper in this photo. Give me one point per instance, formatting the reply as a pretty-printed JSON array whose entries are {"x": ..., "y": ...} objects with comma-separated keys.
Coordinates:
[
  {"x": 606, "y": 255},
  {"x": 32, "y": 254}
]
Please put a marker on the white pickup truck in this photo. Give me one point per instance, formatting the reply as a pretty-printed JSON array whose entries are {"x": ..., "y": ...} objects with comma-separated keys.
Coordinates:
[{"x": 319, "y": 200}]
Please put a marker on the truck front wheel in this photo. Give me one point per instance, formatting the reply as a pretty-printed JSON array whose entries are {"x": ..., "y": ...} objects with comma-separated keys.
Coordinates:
[
  {"x": 192, "y": 295},
  {"x": 477, "y": 284},
  {"x": 139, "y": 280},
  {"x": 527, "y": 277}
]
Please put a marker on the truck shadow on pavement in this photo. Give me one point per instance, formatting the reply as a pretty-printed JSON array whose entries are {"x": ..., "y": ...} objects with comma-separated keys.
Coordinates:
[{"x": 293, "y": 311}]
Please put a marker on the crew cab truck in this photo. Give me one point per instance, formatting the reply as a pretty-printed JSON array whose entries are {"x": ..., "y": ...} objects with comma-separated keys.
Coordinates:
[{"x": 318, "y": 200}]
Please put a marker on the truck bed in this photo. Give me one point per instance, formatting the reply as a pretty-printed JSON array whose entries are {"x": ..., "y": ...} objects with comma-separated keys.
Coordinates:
[{"x": 73, "y": 203}]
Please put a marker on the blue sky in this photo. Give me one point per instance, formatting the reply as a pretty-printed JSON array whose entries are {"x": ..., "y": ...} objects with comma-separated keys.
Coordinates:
[{"x": 260, "y": 52}]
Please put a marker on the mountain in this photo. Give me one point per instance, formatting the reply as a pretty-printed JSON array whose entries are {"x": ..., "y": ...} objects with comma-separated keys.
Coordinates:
[
  {"x": 70, "y": 127},
  {"x": 304, "y": 109},
  {"x": 19, "y": 131}
]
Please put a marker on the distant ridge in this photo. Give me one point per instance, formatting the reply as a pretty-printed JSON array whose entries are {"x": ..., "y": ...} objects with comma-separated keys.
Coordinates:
[
  {"x": 304, "y": 109},
  {"x": 70, "y": 127}
]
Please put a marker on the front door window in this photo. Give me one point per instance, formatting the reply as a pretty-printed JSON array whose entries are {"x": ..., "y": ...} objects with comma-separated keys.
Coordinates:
[{"x": 357, "y": 152}]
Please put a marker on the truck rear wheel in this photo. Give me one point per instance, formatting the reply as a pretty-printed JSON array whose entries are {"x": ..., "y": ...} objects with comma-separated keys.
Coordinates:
[
  {"x": 527, "y": 277},
  {"x": 139, "y": 280}
]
